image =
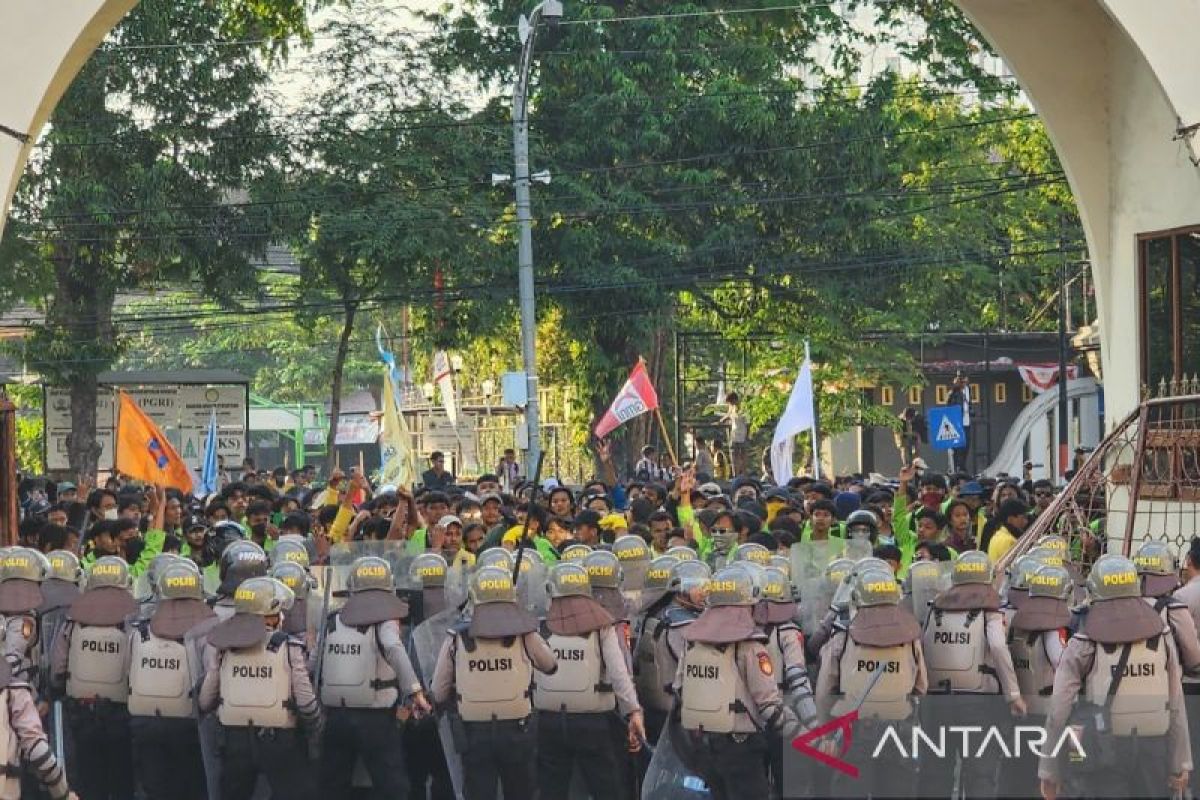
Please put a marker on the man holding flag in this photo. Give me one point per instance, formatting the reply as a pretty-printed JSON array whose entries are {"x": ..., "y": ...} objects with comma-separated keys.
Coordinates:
[
  {"x": 636, "y": 397},
  {"x": 799, "y": 415}
]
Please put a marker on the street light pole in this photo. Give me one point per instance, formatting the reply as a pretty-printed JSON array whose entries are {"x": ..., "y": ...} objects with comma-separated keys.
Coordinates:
[{"x": 551, "y": 11}]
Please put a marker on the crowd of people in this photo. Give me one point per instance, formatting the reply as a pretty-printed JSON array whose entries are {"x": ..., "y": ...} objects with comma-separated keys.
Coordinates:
[{"x": 463, "y": 638}]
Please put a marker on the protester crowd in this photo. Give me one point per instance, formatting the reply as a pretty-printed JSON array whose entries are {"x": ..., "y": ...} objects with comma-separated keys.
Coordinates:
[{"x": 503, "y": 633}]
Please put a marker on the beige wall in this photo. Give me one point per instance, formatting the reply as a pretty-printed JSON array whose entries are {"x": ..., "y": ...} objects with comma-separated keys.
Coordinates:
[
  {"x": 43, "y": 43},
  {"x": 1113, "y": 116}
]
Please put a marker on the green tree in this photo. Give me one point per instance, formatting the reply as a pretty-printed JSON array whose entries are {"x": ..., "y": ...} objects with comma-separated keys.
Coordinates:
[{"x": 134, "y": 184}]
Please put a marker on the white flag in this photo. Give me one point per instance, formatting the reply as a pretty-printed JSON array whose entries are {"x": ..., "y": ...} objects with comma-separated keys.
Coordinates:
[
  {"x": 443, "y": 377},
  {"x": 800, "y": 415}
]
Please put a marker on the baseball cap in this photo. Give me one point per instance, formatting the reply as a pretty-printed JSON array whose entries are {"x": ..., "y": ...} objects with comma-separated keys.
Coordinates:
[
  {"x": 449, "y": 519},
  {"x": 971, "y": 489}
]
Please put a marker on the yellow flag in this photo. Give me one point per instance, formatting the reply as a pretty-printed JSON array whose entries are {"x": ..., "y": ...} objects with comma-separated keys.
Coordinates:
[{"x": 395, "y": 443}]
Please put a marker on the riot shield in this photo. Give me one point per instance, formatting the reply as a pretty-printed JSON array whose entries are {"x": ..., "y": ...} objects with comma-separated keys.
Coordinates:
[
  {"x": 925, "y": 580},
  {"x": 427, "y": 641},
  {"x": 531, "y": 584},
  {"x": 858, "y": 548},
  {"x": 667, "y": 777},
  {"x": 810, "y": 562}
]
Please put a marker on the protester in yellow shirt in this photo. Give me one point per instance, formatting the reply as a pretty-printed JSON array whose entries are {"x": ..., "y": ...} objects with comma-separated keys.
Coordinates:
[{"x": 1014, "y": 517}]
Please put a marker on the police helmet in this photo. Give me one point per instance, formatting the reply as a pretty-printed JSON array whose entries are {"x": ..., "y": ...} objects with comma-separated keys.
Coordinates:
[
  {"x": 222, "y": 535},
  {"x": 875, "y": 587},
  {"x": 870, "y": 562},
  {"x": 604, "y": 569},
  {"x": 862, "y": 521},
  {"x": 25, "y": 564},
  {"x": 732, "y": 586},
  {"x": 1055, "y": 582},
  {"x": 370, "y": 572},
  {"x": 529, "y": 558},
  {"x": 1113, "y": 577},
  {"x": 1155, "y": 558},
  {"x": 1054, "y": 542},
  {"x": 752, "y": 552},
  {"x": 64, "y": 566},
  {"x": 262, "y": 597},
  {"x": 688, "y": 575},
  {"x": 492, "y": 585},
  {"x": 1020, "y": 569},
  {"x": 495, "y": 557},
  {"x": 775, "y": 586},
  {"x": 428, "y": 570},
  {"x": 631, "y": 548},
  {"x": 293, "y": 576},
  {"x": 292, "y": 549},
  {"x": 973, "y": 566},
  {"x": 158, "y": 564},
  {"x": 682, "y": 552},
  {"x": 575, "y": 552},
  {"x": 109, "y": 571},
  {"x": 658, "y": 574},
  {"x": 569, "y": 579},
  {"x": 180, "y": 580},
  {"x": 837, "y": 570},
  {"x": 782, "y": 563},
  {"x": 1048, "y": 556},
  {"x": 245, "y": 558}
]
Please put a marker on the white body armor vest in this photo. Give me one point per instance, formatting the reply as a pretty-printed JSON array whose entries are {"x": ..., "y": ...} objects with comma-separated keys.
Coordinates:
[
  {"x": 98, "y": 663},
  {"x": 578, "y": 685},
  {"x": 1140, "y": 704},
  {"x": 710, "y": 688},
  {"x": 256, "y": 688},
  {"x": 160, "y": 676},
  {"x": 355, "y": 673},
  {"x": 955, "y": 644},
  {"x": 1025, "y": 647},
  {"x": 648, "y": 680},
  {"x": 889, "y": 699},
  {"x": 492, "y": 678},
  {"x": 10, "y": 782}
]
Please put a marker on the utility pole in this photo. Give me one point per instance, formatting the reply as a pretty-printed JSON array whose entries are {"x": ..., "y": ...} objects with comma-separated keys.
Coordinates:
[
  {"x": 1063, "y": 423},
  {"x": 551, "y": 12}
]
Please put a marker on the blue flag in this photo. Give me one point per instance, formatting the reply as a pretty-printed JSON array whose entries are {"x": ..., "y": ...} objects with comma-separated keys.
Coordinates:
[{"x": 208, "y": 470}]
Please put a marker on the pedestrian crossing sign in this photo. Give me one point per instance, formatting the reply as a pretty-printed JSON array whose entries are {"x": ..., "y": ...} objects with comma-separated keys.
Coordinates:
[{"x": 946, "y": 428}]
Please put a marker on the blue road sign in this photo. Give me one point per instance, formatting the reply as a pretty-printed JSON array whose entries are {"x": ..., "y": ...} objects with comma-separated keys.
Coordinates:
[{"x": 946, "y": 428}]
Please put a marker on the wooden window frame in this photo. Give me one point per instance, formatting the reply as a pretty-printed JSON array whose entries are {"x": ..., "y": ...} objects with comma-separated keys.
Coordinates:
[
  {"x": 914, "y": 395},
  {"x": 1000, "y": 393},
  {"x": 941, "y": 394},
  {"x": 1026, "y": 393},
  {"x": 887, "y": 396},
  {"x": 1175, "y": 279}
]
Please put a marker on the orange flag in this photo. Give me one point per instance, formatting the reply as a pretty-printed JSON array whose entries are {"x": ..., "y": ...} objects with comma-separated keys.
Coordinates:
[{"x": 143, "y": 451}]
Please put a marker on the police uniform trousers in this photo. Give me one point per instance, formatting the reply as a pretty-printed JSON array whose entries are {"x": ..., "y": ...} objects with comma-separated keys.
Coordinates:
[
  {"x": 501, "y": 750},
  {"x": 733, "y": 765},
  {"x": 168, "y": 763},
  {"x": 977, "y": 777},
  {"x": 1140, "y": 767},
  {"x": 1018, "y": 776},
  {"x": 586, "y": 741},
  {"x": 375, "y": 735},
  {"x": 103, "y": 768},
  {"x": 426, "y": 761},
  {"x": 888, "y": 775},
  {"x": 278, "y": 754}
]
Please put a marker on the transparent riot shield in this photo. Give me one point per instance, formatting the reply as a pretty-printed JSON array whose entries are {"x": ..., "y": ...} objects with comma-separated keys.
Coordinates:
[
  {"x": 810, "y": 563},
  {"x": 427, "y": 641},
  {"x": 667, "y": 777},
  {"x": 531, "y": 584},
  {"x": 858, "y": 548},
  {"x": 924, "y": 582}
]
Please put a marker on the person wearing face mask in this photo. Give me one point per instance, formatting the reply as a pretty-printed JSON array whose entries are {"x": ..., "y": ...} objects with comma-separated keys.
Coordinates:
[
  {"x": 120, "y": 538},
  {"x": 102, "y": 505}
]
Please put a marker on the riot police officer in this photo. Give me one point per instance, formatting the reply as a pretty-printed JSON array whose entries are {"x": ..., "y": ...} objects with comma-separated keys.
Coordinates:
[
  {"x": 785, "y": 643},
  {"x": 89, "y": 662},
  {"x": 651, "y": 688},
  {"x": 874, "y": 665},
  {"x": 20, "y": 722},
  {"x": 966, "y": 652},
  {"x": 688, "y": 582},
  {"x": 365, "y": 680},
  {"x": 728, "y": 698},
  {"x": 576, "y": 703},
  {"x": 22, "y": 571},
  {"x": 425, "y": 756},
  {"x": 296, "y": 619},
  {"x": 1124, "y": 664},
  {"x": 257, "y": 682},
  {"x": 485, "y": 668},
  {"x": 1159, "y": 574},
  {"x": 162, "y": 677},
  {"x": 429, "y": 571}
]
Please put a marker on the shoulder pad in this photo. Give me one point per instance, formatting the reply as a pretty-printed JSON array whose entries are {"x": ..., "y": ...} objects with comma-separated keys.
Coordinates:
[
  {"x": 460, "y": 626},
  {"x": 677, "y": 616}
]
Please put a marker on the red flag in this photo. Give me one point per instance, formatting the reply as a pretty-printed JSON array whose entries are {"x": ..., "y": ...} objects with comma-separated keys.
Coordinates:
[{"x": 636, "y": 397}]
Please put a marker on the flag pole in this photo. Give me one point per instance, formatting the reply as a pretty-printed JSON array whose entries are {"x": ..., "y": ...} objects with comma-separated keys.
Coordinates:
[
  {"x": 662, "y": 426},
  {"x": 816, "y": 443}
]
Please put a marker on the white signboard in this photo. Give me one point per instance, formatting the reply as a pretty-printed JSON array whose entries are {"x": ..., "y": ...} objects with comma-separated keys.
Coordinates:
[
  {"x": 441, "y": 434},
  {"x": 182, "y": 412}
]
